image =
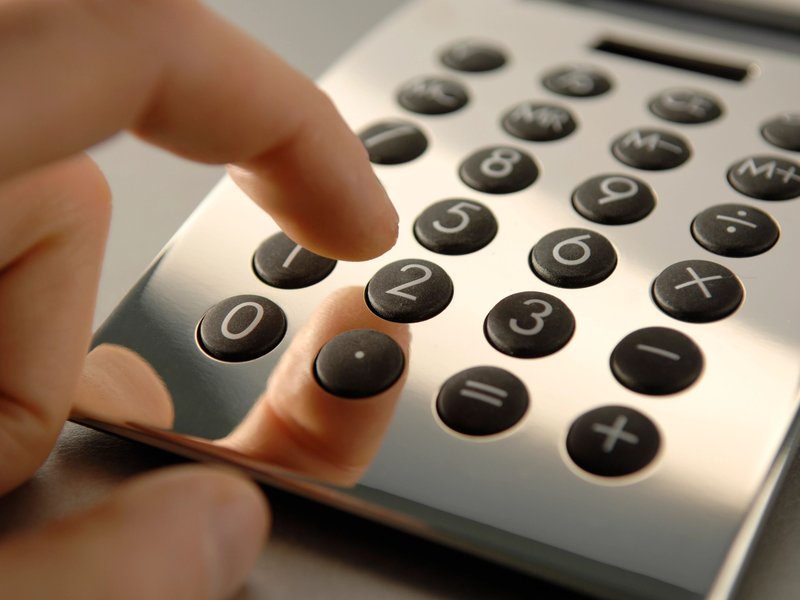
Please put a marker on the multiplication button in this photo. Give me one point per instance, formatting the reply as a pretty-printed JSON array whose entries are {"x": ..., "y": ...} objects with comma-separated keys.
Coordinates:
[
  {"x": 573, "y": 258},
  {"x": 766, "y": 178},
  {"x": 393, "y": 142},
  {"x": 651, "y": 149},
  {"x": 499, "y": 170},
  {"x": 614, "y": 199},
  {"x": 536, "y": 122},
  {"x": 482, "y": 401},
  {"x": 735, "y": 230},
  {"x": 656, "y": 361},
  {"x": 241, "y": 328},
  {"x": 358, "y": 364},
  {"x": 282, "y": 263},
  {"x": 409, "y": 291},
  {"x": 455, "y": 226},
  {"x": 529, "y": 325},
  {"x": 613, "y": 441},
  {"x": 697, "y": 291},
  {"x": 432, "y": 96}
]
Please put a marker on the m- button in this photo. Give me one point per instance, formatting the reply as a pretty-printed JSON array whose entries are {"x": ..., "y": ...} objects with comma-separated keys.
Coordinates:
[
  {"x": 612, "y": 441},
  {"x": 697, "y": 291}
]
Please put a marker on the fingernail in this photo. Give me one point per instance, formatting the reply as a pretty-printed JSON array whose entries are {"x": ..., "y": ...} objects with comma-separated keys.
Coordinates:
[{"x": 237, "y": 531}]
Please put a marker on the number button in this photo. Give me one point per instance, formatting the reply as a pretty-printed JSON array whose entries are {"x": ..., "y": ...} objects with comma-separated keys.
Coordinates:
[
  {"x": 656, "y": 361},
  {"x": 393, "y": 142},
  {"x": 432, "y": 96},
  {"x": 455, "y": 227},
  {"x": 529, "y": 325},
  {"x": 686, "y": 106},
  {"x": 482, "y": 401},
  {"x": 358, "y": 364},
  {"x": 573, "y": 258},
  {"x": 577, "y": 81},
  {"x": 408, "y": 291},
  {"x": 735, "y": 230},
  {"x": 783, "y": 131},
  {"x": 281, "y": 263},
  {"x": 697, "y": 291},
  {"x": 766, "y": 178},
  {"x": 473, "y": 57},
  {"x": 614, "y": 199},
  {"x": 613, "y": 441},
  {"x": 539, "y": 122},
  {"x": 241, "y": 328},
  {"x": 651, "y": 149},
  {"x": 499, "y": 170}
]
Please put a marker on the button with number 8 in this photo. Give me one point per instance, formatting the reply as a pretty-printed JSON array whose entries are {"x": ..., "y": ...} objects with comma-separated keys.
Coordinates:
[{"x": 499, "y": 170}]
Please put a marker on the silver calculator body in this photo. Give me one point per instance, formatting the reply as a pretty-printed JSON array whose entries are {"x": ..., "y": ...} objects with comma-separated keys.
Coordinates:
[{"x": 680, "y": 526}]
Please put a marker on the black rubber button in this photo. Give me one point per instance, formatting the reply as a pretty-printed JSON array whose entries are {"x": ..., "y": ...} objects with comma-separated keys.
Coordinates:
[
  {"x": 651, "y": 149},
  {"x": 697, "y": 291},
  {"x": 432, "y": 96},
  {"x": 538, "y": 122},
  {"x": 473, "y": 56},
  {"x": 613, "y": 441},
  {"x": 455, "y": 226},
  {"x": 614, "y": 199},
  {"x": 408, "y": 291},
  {"x": 656, "y": 361},
  {"x": 577, "y": 81},
  {"x": 393, "y": 142},
  {"x": 766, "y": 178},
  {"x": 499, "y": 170},
  {"x": 529, "y": 325},
  {"x": 573, "y": 258},
  {"x": 241, "y": 328},
  {"x": 686, "y": 106},
  {"x": 482, "y": 401},
  {"x": 358, "y": 364},
  {"x": 735, "y": 230},
  {"x": 282, "y": 263},
  {"x": 783, "y": 131}
]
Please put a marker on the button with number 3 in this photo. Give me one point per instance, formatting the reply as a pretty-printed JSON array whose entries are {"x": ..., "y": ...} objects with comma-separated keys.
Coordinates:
[{"x": 499, "y": 170}]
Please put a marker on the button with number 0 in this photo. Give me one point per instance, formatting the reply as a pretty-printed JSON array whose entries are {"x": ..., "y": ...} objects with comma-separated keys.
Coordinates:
[
  {"x": 573, "y": 258},
  {"x": 455, "y": 226},
  {"x": 241, "y": 328},
  {"x": 408, "y": 291},
  {"x": 499, "y": 170},
  {"x": 529, "y": 325}
]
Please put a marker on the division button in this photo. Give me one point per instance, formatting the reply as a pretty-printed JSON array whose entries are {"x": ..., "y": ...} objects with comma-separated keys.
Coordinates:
[
  {"x": 656, "y": 361},
  {"x": 281, "y": 263},
  {"x": 783, "y": 131},
  {"x": 697, "y": 291},
  {"x": 613, "y": 441},
  {"x": 614, "y": 199},
  {"x": 573, "y": 258},
  {"x": 241, "y": 328},
  {"x": 408, "y": 291},
  {"x": 735, "y": 230},
  {"x": 359, "y": 363},
  {"x": 577, "y": 81},
  {"x": 393, "y": 142},
  {"x": 482, "y": 401},
  {"x": 537, "y": 122},
  {"x": 455, "y": 226},
  {"x": 432, "y": 96},
  {"x": 686, "y": 106},
  {"x": 651, "y": 149},
  {"x": 499, "y": 170},
  {"x": 473, "y": 56},
  {"x": 529, "y": 325},
  {"x": 766, "y": 178}
]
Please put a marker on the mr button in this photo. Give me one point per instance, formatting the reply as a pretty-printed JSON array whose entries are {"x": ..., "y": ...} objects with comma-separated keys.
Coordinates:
[{"x": 612, "y": 441}]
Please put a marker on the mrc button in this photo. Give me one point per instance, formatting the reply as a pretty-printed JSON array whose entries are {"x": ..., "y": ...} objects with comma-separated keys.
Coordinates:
[{"x": 612, "y": 441}]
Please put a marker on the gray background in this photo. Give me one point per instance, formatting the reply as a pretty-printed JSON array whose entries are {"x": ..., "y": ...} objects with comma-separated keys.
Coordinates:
[{"x": 314, "y": 552}]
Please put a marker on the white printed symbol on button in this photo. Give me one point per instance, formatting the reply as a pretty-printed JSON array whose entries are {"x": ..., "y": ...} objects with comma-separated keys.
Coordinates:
[
  {"x": 577, "y": 82},
  {"x": 226, "y": 322},
  {"x": 388, "y": 134},
  {"x": 650, "y": 142},
  {"x": 484, "y": 392},
  {"x": 544, "y": 116},
  {"x": 577, "y": 241},
  {"x": 687, "y": 102},
  {"x": 434, "y": 90},
  {"x": 359, "y": 354},
  {"x": 630, "y": 188},
  {"x": 615, "y": 433},
  {"x": 767, "y": 170},
  {"x": 658, "y": 351},
  {"x": 292, "y": 255},
  {"x": 698, "y": 281},
  {"x": 738, "y": 221}
]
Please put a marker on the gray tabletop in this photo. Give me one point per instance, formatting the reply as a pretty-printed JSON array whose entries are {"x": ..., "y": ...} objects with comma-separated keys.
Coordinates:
[{"x": 314, "y": 551}]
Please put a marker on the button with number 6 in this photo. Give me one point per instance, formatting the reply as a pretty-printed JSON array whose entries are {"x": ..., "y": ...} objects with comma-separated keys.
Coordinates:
[{"x": 573, "y": 258}]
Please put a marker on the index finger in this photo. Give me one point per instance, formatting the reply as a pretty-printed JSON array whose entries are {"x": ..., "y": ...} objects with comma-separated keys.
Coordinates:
[{"x": 179, "y": 76}]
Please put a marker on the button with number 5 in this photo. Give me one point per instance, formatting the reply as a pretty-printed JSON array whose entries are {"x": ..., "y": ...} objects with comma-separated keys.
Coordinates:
[
  {"x": 455, "y": 227},
  {"x": 408, "y": 291},
  {"x": 499, "y": 170}
]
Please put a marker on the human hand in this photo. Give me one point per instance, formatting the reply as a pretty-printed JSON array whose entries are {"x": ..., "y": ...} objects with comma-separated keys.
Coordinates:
[{"x": 75, "y": 72}]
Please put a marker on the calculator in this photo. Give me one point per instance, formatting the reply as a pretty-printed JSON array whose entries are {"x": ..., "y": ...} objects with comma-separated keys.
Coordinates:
[{"x": 599, "y": 233}]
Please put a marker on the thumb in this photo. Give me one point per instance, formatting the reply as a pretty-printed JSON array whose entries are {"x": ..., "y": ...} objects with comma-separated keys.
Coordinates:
[{"x": 185, "y": 532}]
